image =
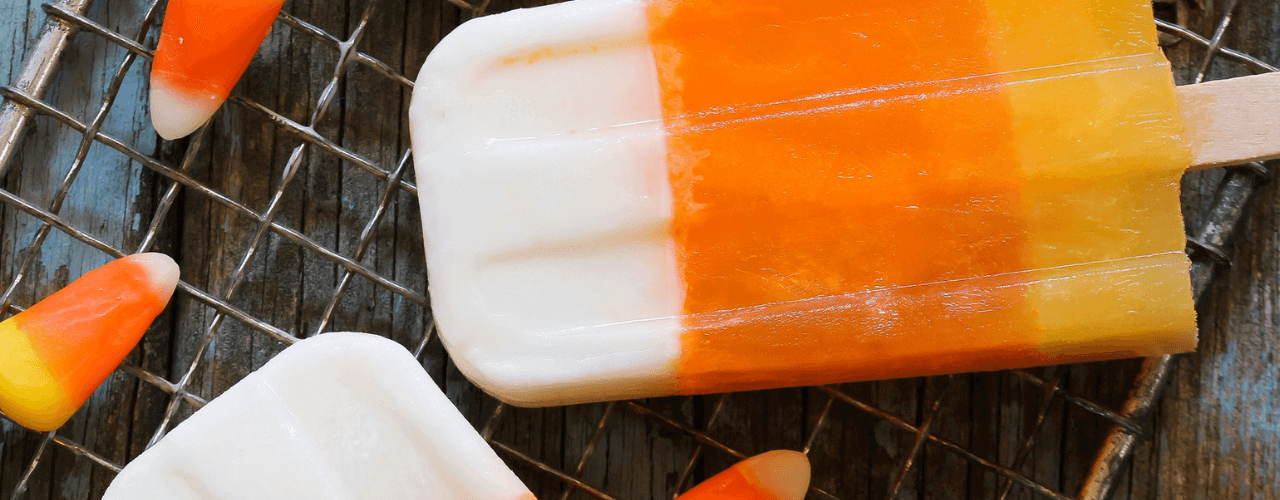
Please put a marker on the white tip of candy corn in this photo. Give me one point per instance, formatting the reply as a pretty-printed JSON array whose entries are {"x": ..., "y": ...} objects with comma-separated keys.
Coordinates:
[
  {"x": 161, "y": 270},
  {"x": 782, "y": 474},
  {"x": 176, "y": 113}
]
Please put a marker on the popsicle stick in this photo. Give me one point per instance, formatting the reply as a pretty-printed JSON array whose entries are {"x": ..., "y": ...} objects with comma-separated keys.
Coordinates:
[{"x": 1232, "y": 121}]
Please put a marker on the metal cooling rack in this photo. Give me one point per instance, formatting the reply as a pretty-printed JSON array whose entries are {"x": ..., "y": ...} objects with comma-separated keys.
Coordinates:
[{"x": 24, "y": 101}]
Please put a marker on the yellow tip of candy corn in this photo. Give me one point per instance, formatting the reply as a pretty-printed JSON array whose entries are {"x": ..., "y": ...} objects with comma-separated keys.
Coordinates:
[{"x": 56, "y": 353}]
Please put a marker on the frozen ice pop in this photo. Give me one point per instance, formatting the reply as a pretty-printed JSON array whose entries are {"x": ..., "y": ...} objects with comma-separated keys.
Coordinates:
[
  {"x": 338, "y": 416},
  {"x": 627, "y": 198},
  {"x": 55, "y": 354},
  {"x": 205, "y": 45},
  {"x": 775, "y": 475}
]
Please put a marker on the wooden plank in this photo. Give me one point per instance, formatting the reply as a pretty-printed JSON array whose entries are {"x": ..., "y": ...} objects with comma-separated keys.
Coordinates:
[
  {"x": 942, "y": 470},
  {"x": 368, "y": 122},
  {"x": 1016, "y": 410},
  {"x": 1083, "y": 430},
  {"x": 842, "y": 455},
  {"x": 1142, "y": 476},
  {"x": 19, "y": 20},
  {"x": 1222, "y": 421},
  {"x": 629, "y": 470},
  {"x": 1106, "y": 384},
  {"x": 756, "y": 422},
  {"x": 578, "y": 430},
  {"x": 111, "y": 199},
  {"x": 985, "y": 391},
  {"x": 16, "y": 21},
  {"x": 900, "y": 398},
  {"x": 1045, "y": 456},
  {"x": 1214, "y": 437}
]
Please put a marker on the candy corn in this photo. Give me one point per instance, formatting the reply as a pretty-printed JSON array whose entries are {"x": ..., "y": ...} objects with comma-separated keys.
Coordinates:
[
  {"x": 204, "y": 48},
  {"x": 776, "y": 475},
  {"x": 56, "y": 353}
]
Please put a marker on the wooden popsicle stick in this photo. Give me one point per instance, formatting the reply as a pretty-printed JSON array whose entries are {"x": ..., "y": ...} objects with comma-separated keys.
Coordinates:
[{"x": 1232, "y": 121}]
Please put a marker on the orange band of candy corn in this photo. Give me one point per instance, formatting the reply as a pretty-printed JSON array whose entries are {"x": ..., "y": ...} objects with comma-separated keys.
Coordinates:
[{"x": 56, "y": 353}]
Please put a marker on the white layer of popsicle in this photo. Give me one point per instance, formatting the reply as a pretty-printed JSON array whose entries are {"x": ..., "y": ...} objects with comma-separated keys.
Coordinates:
[
  {"x": 541, "y": 161},
  {"x": 343, "y": 416}
]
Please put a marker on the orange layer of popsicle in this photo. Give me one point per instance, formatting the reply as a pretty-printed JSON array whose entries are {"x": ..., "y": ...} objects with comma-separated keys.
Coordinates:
[
  {"x": 55, "y": 354},
  {"x": 204, "y": 48},
  {"x": 877, "y": 190}
]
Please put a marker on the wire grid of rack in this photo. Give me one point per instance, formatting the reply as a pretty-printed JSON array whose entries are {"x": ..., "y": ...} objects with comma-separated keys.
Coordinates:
[{"x": 694, "y": 432}]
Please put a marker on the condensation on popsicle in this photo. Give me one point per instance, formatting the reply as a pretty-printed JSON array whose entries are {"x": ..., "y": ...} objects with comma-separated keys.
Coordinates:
[
  {"x": 774, "y": 475},
  {"x": 627, "y": 198},
  {"x": 341, "y": 416},
  {"x": 55, "y": 354},
  {"x": 204, "y": 47}
]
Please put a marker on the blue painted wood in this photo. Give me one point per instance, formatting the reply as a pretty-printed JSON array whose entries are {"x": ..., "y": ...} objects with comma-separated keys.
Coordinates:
[
  {"x": 1217, "y": 428},
  {"x": 111, "y": 198}
]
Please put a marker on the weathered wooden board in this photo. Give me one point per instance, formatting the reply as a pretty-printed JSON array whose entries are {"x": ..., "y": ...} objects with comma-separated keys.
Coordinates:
[
  {"x": 110, "y": 199},
  {"x": 1216, "y": 431}
]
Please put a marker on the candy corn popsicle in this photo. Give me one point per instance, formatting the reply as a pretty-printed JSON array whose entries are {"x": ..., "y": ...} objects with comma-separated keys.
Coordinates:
[
  {"x": 627, "y": 198},
  {"x": 775, "y": 475},
  {"x": 338, "y": 416},
  {"x": 204, "y": 47},
  {"x": 55, "y": 354}
]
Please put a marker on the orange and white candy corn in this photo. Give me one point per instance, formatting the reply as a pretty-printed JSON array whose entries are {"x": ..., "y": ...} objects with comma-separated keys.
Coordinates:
[
  {"x": 56, "y": 353},
  {"x": 204, "y": 48},
  {"x": 775, "y": 475}
]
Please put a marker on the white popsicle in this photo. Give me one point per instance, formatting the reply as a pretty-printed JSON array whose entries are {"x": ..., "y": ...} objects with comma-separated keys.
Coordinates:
[{"x": 339, "y": 416}]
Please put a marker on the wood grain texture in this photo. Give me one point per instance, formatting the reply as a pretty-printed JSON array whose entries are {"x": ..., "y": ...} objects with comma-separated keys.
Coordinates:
[
  {"x": 110, "y": 199},
  {"x": 1232, "y": 121},
  {"x": 1215, "y": 428},
  {"x": 1216, "y": 432}
]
